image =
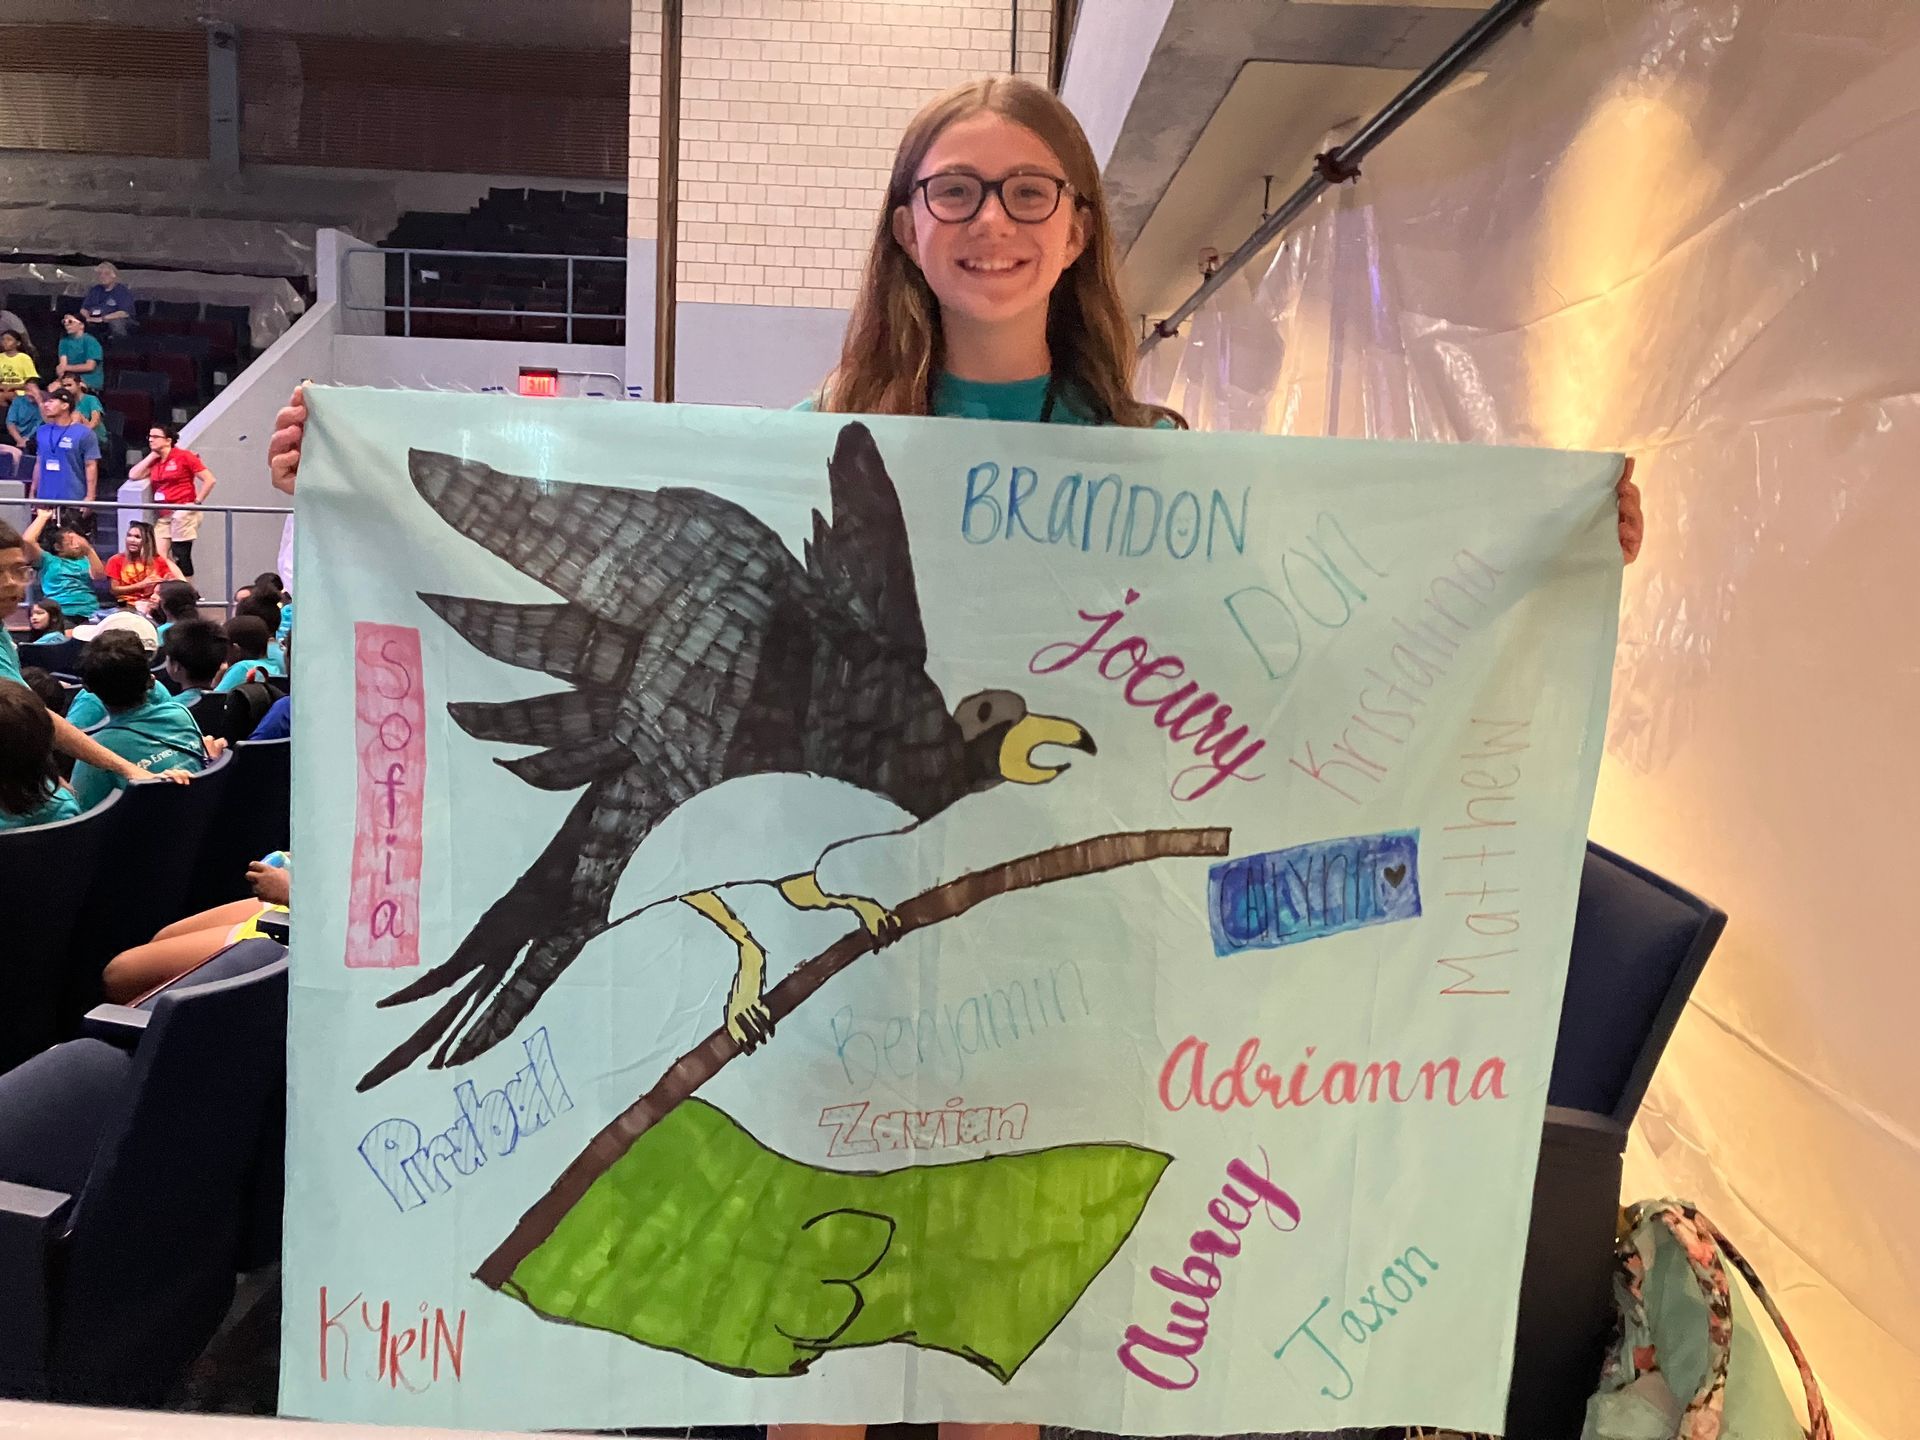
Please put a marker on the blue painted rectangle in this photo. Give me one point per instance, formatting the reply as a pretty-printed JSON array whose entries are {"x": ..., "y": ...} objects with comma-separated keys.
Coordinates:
[{"x": 1258, "y": 902}]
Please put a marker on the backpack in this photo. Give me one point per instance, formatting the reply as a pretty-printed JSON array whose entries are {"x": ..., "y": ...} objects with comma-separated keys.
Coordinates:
[
  {"x": 246, "y": 706},
  {"x": 1686, "y": 1356}
]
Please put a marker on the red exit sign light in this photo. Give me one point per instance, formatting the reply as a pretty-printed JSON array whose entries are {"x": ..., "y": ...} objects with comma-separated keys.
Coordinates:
[{"x": 539, "y": 382}]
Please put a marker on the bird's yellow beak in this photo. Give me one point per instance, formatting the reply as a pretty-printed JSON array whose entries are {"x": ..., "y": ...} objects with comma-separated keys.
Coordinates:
[{"x": 1028, "y": 735}]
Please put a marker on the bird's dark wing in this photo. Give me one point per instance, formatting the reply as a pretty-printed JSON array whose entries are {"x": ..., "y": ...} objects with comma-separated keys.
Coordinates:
[
  {"x": 671, "y": 598},
  {"x": 861, "y": 561},
  {"x": 565, "y": 641},
  {"x": 621, "y": 555}
]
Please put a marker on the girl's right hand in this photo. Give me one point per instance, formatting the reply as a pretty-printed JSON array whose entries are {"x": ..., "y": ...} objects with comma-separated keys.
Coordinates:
[{"x": 283, "y": 452}]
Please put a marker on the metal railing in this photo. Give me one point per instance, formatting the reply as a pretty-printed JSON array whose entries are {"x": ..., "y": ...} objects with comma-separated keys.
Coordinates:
[
  {"x": 144, "y": 510},
  {"x": 407, "y": 309}
]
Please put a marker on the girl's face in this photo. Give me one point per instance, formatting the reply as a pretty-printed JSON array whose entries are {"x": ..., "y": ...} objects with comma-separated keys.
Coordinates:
[
  {"x": 991, "y": 270},
  {"x": 37, "y": 618},
  {"x": 9, "y": 341},
  {"x": 158, "y": 442},
  {"x": 136, "y": 541}
]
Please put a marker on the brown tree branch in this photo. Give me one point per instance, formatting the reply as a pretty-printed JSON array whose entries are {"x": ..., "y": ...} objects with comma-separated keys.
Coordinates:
[{"x": 703, "y": 1062}]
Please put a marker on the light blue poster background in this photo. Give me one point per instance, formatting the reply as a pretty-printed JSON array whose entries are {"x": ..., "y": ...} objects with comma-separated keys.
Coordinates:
[{"x": 1302, "y": 585}]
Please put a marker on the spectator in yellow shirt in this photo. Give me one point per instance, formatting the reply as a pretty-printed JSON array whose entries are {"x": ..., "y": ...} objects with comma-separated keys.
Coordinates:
[{"x": 16, "y": 366}]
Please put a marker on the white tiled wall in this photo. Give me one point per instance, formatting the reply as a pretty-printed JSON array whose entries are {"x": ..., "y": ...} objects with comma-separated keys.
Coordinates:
[{"x": 790, "y": 110}]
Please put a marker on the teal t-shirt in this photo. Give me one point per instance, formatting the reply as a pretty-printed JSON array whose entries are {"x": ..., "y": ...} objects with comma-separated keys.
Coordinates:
[
  {"x": 157, "y": 734},
  {"x": 86, "y": 711},
  {"x": 241, "y": 671},
  {"x": 58, "y": 806},
  {"x": 9, "y": 659},
  {"x": 68, "y": 583},
  {"x": 286, "y": 623},
  {"x": 24, "y": 416},
  {"x": 957, "y": 399},
  {"x": 78, "y": 349}
]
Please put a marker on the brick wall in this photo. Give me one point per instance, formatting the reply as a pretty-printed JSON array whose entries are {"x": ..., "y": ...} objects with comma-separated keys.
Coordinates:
[{"x": 790, "y": 110}]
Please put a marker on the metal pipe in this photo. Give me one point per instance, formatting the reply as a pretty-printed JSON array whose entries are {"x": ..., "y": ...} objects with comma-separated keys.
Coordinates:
[
  {"x": 667, "y": 226},
  {"x": 1065, "y": 13},
  {"x": 1343, "y": 162},
  {"x": 1013, "y": 42}
]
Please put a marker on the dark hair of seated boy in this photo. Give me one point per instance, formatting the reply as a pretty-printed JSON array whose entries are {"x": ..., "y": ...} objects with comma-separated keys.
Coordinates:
[
  {"x": 195, "y": 651},
  {"x": 115, "y": 667},
  {"x": 248, "y": 634},
  {"x": 264, "y": 608}
]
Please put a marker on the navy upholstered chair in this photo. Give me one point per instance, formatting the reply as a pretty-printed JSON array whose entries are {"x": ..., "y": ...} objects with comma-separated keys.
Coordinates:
[
  {"x": 1639, "y": 945},
  {"x": 127, "y": 1160}
]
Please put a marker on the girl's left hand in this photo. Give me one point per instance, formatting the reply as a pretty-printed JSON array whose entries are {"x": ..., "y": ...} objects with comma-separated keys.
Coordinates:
[{"x": 1633, "y": 526}]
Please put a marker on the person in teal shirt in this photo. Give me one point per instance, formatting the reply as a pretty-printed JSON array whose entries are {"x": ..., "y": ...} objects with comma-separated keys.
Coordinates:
[
  {"x": 195, "y": 651},
  {"x": 66, "y": 565},
  {"x": 30, "y": 794},
  {"x": 81, "y": 355},
  {"x": 249, "y": 638},
  {"x": 145, "y": 726},
  {"x": 23, "y": 415}
]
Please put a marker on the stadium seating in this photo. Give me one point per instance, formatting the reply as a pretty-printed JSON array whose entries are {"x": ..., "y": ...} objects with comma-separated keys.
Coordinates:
[{"x": 505, "y": 282}]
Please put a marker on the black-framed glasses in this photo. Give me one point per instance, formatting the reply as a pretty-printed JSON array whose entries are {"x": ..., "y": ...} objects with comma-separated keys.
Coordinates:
[{"x": 1028, "y": 196}]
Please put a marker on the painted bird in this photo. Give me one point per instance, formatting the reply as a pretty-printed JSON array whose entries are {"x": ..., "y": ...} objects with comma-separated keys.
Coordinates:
[{"x": 698, "y": 648}]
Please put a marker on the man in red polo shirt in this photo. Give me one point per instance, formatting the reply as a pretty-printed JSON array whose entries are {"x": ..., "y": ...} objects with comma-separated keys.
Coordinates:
[{"x": 181, "y": 483}]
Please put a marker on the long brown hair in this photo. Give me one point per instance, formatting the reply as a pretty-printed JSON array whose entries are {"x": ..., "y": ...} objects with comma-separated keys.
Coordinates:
[{"x": 894, "y": 345}]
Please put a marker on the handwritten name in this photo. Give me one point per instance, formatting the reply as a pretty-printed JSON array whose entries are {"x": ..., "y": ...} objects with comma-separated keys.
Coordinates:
[
  {"x": 1489, "y": 786},
  {"x": 431, "y": 1343},
  {"x": 1002, "y": 1016},
  {"x": 390, "y": 741},
  {"x": 1399, "y": 1280},
  {"x": 1242, "y": 1084},
  {"x": 1070, "y": 515},
  {"x": 1318, "y": 588},
  {"x": 1418, "y": 661},
  {"x": 857, "y": 1133},
  {"x": 1268, "y": 900},
  {"x": 1177, "y": 709},
  {"x": 1157, "y": 1356},
  {"x": 490, "y": 1126}
]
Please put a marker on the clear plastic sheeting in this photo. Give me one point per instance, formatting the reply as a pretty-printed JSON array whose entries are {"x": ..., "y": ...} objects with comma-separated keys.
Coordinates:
[
  {"x": 1685, "y": 231},
  {"x": 272, "y": 304}
]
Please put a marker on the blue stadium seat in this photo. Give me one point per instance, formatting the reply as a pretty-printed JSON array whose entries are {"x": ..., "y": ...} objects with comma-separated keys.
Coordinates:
[
  {"x": 50, "y": 864},
  {"x": 128, "y": 1169},
  {"x": 121, "y": 905},
  {"x": 254, "y": 820}
]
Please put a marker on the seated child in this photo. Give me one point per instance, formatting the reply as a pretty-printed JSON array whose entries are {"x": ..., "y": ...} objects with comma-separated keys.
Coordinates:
[
  {"x": 145, "y": 725},
  {"x": 29, "y": 792},
  {"x": 196, "y": 651},
  {"x": 248, "y": 637}
]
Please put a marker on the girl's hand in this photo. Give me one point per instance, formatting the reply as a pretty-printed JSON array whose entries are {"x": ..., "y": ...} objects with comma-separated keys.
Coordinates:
[
  {"x": 271, "y": 883},
  {"x": 283, "y": 452},
  {"x": 1633, "y": 526}
]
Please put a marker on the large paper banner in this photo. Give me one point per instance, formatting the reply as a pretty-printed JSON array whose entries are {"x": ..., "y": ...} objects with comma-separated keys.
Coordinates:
[{"x": 831, "y": 920}]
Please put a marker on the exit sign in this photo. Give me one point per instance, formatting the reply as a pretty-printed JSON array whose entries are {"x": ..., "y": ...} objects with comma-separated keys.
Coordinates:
[{"x": 539, "y": 382}]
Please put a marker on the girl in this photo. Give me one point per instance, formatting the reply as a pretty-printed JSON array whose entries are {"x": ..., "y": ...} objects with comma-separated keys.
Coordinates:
[
  {"x": 991, "y": 288},
  {"x": 137, "y": 572},
  {"x": 29, "y": 792},
  {"x": 174, "y": 601},
  {"x": 46, "y": 621}
]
